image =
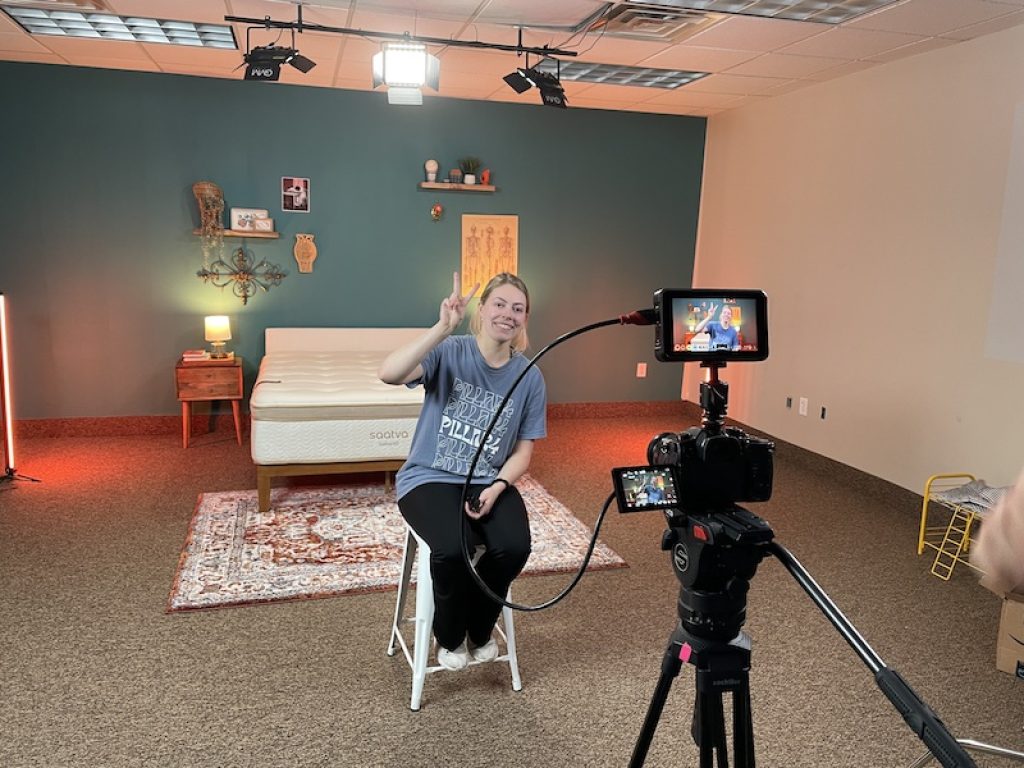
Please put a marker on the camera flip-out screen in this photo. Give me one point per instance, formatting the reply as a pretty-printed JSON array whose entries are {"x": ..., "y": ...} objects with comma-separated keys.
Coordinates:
[
  {"x": 639, "y": 489},
  {"x": 715, "y": 325}
]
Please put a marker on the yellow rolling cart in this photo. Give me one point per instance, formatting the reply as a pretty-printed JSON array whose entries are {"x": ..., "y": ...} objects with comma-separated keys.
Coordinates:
[{"x": 949, "y": 530}]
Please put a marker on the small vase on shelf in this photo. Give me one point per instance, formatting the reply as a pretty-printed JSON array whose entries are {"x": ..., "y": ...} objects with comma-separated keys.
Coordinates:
[{"x": 469, "y": 178}]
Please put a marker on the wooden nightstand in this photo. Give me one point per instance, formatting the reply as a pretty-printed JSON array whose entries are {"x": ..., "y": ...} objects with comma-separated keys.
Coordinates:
[{"x": 209, "y": 380}]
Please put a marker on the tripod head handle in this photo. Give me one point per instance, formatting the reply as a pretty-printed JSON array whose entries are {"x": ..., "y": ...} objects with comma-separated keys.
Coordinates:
[{"x": 923, "y": 721}]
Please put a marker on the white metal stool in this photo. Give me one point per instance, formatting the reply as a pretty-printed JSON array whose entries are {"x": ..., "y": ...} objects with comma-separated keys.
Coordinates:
[{"x": 423, "y": 621}]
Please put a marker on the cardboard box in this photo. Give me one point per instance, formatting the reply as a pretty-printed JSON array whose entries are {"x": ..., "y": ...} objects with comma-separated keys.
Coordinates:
[{"x": 1010, "y": 645}]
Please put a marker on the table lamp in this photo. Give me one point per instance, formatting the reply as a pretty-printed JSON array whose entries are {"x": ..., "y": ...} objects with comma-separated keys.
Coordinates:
[{"x": 218, "y": 330}]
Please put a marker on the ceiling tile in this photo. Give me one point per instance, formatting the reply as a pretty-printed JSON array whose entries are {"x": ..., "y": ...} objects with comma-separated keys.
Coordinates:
[
  {"x": 108, "y": 63},
  {"x": 78, "y": 49},
  {"x": 39, "y": 57},
  {"x": 9, "y": 27},
  {"x": 929, "y": 17},
  {"x": 756, "y": 34},
  {"x": 206, "y": 58},
  {"x": 696, "y": 59},
  {"x": 21, "y": 42},
  {"x": 913, "y": 49},
  {"x": 987, "y": 27},
  {"x": 489, "y": 63},
  {"x": 615, "y": 50},
  {"x": 400, "y": 24},
  {"x": 784, "y": 65},
  {"x": 211, "y": 11},
  {"x": 739, "y": 85},
  {"x": 840, "y": 71},
  {"x": 847, "y": 43},
  {"x": 685, "y": 97}
]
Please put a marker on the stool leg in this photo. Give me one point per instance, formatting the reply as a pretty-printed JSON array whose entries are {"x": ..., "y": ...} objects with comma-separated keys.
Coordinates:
[
  {"x": 408, "y": 555},
  {"x": 424, "y": 624},
  {"x": 510, "y": 645}
]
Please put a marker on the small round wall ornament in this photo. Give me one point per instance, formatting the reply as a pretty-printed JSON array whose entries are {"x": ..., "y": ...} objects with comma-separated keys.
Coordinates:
[{"x": 436, "y": 211}]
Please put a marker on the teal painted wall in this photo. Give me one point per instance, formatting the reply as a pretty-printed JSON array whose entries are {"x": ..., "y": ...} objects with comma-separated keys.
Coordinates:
[{"x": 98, "y": 260}]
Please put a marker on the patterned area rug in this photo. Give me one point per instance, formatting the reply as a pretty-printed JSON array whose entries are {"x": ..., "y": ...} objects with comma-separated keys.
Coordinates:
[{"x": 323, "y": 542}]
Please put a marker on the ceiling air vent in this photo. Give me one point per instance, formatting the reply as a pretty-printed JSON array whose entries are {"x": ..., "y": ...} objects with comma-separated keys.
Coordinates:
[{"x": 659, "y": 23}]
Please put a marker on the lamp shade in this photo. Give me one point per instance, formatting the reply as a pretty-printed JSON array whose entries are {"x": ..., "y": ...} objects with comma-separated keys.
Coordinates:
[{"x": 218, "y": 328}]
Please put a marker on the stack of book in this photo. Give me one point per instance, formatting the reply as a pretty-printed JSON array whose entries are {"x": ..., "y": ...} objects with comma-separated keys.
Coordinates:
[{"x": 195, "y": 355}]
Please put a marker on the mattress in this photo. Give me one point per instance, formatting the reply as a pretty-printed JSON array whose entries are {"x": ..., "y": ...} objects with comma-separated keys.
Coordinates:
[{"x": 317, "y": 398}]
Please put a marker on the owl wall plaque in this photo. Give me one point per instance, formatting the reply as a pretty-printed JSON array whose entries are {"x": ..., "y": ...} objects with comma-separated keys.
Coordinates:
[{"x": 305, "y": 251}]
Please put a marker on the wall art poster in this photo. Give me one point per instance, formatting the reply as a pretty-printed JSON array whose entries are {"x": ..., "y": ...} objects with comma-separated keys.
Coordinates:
[
  {"x": 490, "y": 245},
  {"x": 294, "y": 194}
]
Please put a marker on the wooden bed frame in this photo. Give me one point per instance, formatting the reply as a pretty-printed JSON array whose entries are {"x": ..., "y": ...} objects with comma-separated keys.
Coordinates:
[{"x": 266, "y": 472}]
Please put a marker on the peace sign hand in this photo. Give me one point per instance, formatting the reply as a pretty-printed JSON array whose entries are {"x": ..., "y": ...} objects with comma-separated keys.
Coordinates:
[
  {"x": 453, "y": 308},
  {"x": 712, "y": 310}
]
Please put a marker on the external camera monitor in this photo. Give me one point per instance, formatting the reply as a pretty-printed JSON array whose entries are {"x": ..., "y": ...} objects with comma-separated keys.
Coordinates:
[
  {"x": 711, "y": 325},
  {"x": 639, "y": 489}
]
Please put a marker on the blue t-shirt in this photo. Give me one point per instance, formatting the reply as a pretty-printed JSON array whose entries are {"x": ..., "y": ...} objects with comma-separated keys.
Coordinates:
[
  {"x": 463, "y": 393},
  {"x": 722, "y": 338}
]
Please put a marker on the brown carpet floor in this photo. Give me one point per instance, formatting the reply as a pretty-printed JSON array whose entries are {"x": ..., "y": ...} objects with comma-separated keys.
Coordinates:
[{"x": 94, "y": 673}]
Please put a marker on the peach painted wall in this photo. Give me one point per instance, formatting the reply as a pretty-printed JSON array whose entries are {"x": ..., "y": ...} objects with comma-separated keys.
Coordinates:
[{"x": 869, "y": 209}]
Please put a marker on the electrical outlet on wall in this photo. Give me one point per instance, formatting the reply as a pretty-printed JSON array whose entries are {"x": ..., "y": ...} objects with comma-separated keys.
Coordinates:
[
  {"x": 803, "y": 406},
  {"x": 789, "y": 402},
  {"x": 641, "y": 370}
]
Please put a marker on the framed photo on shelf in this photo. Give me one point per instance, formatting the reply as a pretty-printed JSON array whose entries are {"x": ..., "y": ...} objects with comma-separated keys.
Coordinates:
[
  {"x": 294, "y": 194},
  {"x": 490, "y": 245}
]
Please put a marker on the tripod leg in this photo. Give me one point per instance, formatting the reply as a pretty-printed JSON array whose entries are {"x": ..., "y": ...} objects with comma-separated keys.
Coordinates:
[
  {"x": 708, "y": 729},
  {"x": 742, "y": 726},
  {"x": 670, "y": 666}
]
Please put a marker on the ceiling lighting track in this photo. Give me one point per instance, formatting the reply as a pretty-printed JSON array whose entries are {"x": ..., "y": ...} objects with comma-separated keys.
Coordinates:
[{"x": 300, "y": 26}]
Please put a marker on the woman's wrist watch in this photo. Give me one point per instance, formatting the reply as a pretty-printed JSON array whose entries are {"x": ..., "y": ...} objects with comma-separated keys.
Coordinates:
[{"x": 502, "y": 480}]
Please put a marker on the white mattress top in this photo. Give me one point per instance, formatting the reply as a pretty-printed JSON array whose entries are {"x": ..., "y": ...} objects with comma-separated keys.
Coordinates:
[{"x": 317, "y": 379}]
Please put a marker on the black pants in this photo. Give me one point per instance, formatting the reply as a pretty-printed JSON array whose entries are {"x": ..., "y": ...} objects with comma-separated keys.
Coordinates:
[{"x": 461, "y": 609}]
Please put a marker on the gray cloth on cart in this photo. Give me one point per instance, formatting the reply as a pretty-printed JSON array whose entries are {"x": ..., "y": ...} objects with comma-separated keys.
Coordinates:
[{"x": 974, "y": 496}]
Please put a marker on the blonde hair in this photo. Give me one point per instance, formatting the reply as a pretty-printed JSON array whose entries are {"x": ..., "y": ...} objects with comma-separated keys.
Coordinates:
[{"x": 521, "y": 342}]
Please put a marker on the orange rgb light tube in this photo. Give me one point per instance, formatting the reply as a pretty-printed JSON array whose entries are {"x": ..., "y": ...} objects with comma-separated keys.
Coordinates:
[{"x": 5, "y": 392}]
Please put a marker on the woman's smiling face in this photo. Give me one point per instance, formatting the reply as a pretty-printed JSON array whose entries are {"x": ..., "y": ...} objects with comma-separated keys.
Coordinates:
[{"x": 504, "y": 313}]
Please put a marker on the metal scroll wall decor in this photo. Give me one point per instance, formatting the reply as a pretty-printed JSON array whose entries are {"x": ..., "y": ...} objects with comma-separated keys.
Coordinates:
[{"x": 242, "y": 273}]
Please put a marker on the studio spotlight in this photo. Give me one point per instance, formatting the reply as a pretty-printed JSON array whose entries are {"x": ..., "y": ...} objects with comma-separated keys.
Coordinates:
[
  {"x": 405, "y": 68},
  {"x": 551, "y": 92},
  {"x": 264, "y": 62},
  {"x": 518, "y": 81}
]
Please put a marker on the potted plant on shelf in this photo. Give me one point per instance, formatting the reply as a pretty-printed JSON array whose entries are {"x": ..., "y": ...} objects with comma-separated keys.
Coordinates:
[{"x": 469, "y": 167}]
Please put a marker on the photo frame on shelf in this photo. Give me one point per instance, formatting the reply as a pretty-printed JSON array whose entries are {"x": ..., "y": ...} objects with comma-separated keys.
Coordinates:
[
  {"x": 294, "y": 194},
  {"x": 490, "y": 245},
  {"x": 244, "y": 219}
]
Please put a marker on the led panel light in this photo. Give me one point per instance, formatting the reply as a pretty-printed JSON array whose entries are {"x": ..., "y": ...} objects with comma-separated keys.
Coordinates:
[
  {"x": 821, "y": 11},
  {"x": 405, "y": 65},
  {"x": 38, "y": 21},
  {"x": 612, "y": 74}
]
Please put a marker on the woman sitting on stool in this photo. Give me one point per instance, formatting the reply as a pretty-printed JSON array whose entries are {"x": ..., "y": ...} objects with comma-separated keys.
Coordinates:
[{"x": 465, "y": 378}]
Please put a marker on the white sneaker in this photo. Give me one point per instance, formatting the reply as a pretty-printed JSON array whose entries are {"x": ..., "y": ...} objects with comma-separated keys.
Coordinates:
[
  {"x": 453, "y": 660},
  {"x": 486, "y": 652}
]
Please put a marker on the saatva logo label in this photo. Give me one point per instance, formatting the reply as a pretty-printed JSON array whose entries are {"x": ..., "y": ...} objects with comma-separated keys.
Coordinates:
[{"x": 390, "y": 434}]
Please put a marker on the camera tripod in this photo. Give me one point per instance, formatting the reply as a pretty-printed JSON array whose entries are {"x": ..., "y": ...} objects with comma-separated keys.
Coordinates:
[
  {"x": 725, "y": 667},
  {"x": 720, "y": 668}
]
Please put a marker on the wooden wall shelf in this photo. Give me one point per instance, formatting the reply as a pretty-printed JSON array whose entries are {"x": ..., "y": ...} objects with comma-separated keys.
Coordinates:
[
  {"x": 232, "y": 233},
  {"x": 457, "y": 187}
]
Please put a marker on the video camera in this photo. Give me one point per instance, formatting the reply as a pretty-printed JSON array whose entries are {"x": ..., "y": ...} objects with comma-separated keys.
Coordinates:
[{"x": 697, "y": 476}]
